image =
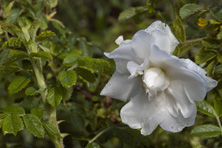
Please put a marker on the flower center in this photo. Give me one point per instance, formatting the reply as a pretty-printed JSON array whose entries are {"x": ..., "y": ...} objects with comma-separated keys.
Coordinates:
[{"x": 155, "y": 80}]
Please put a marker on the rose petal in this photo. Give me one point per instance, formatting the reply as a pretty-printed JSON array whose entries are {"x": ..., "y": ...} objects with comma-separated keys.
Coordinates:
[
  {"x": 133, "y": 68},
  {"x": 163, "y": 59},
  {"x": 122, "y": 55},
  {"x": 176, "y": 92},
  {"x": 139, "y": 112},
  {"x": 119, "y": 40},
  {"x": 120, "y": 87},
  {"x": 162, "y": 40},
  {"x": 122, "y": 52},
  {"x": 193, "y": 83},
  {"x": 158, "y": 25},
  {"x": 121, "y": 66},
  {"x": 209, "y": 83},
  {"x": 177, "y": 124},
  {"x": 141, "y": 44}
]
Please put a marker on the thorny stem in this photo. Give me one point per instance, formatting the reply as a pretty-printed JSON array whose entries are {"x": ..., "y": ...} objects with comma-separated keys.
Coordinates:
[
  {"x": 51, "y": 111},
  {"x": 98, "y": 135}
]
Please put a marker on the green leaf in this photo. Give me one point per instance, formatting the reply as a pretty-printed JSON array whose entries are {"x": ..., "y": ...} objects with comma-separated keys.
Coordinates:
[
  {"x": 15, "y": 58},
  {"x": 184, "y": 49},
  {"x": 78, "y": 122},
  {"x": 216, "y": 11},
  {"x": 4, "y": 55},
  {"x": 71, "y": 59},
  {"x": 138, "y": 136},
  {"x": 218, "y": 69},
  {"x": 130, "y": 13},
  {"x": 8, "y": 9},
  {"x": 44, "y": 35},
  {"x": 85, "y": 75},
  {"x": 25, "y": 30},
  {"x": 150, "y": 4},
  {"x": 206, "y": 131},
  {"x": 205, "y": 108},
  {"x": 3, "y": 115},
  {"x": 42, "y": 54},
  {"x": 7, "y": 70},
  {"x": 125, "y": 136},
  {"x": 179, "y": 30},
  {"x": 14, "y": 110},
  {"x": 218, "y": 107},
  {"x": 12, "y": 124},
  {"x": 44, "y": 48},
  {"x": 58, "y": 26},
  {"x": 34, "y": 28},
  {"x": 211, "y": 43},
  {"x": 53, "y": 3},
  {"x": 86, "y": 51},
  {"x": 54, "y": 96},
  {"x": 51, "y": 129},
  {"x": 1, "y": 122},
  {"x": 68, "y": 79},
  {"x": 189, "y": 9},
  {"x": 13, "y": 16},
  {"x": 31, "y": 91},
  {"x": 38, "y": 112},
  {"x": 15, "y": 42},
  {"x": 219, "y": 35},
  {"x": 211, "y": 68},
  {"x": 99, "y": 66},
  {"x": 205, "y": 55},
  {"x": 93, "y": 145},
  {"x": 219, "y": 57},
  {"x": 18, "y": 84},
  {"x": 34, "y": 125},
  {"x": 12, "y": 29}
]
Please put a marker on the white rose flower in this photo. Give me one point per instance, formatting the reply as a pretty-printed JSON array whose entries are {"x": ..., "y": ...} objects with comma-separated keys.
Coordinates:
[{"x": 161, "y": 88}]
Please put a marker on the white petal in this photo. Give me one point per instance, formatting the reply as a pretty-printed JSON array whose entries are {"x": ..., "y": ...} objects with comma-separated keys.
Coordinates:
[
  {"x": 193, "y": 83},
  {"x": 163, "y": 59},
  {"x": 120, "y": 87},
  {"x": 123, "y": 52},
  {"x": 132, "y": 68},
  {"x": 141, "y": 113},
  {"x": 122, "y": 55},
  {"x": 209, "y": 83},
  {"x": 119, "y": 40},
  {"x": 125, "y": 42},
  {"x": 177, "y": 124},
  {"x": 158, "y": 25},
  {"x": 121, "y": 65},
  {"x": 176, "y": 92},
  {"x": 145, "y": 64},
  {"x": 141, "y": 44},
  {"x": 162, "y": 41}
]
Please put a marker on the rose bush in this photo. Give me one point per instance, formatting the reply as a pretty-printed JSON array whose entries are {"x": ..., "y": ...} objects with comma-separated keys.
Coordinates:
[{"x": 161, "y": 88}]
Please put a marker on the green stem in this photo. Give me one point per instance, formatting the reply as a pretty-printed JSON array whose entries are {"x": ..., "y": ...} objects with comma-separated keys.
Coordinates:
[
  {"x": 219, "y": 123},
  {"x": 98, "y": 135},
  {"x": 193, "y": 40},
  {"x": 40, "y": 80},
  {"x": 51, "y": 111}
]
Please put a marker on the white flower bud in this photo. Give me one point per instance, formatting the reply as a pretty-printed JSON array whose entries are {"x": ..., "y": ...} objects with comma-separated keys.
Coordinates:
[{"x": 155, "y": 80}]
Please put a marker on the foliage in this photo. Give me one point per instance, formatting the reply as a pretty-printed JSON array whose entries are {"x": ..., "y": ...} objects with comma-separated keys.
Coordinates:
[{"x": 52, "y": 69}]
